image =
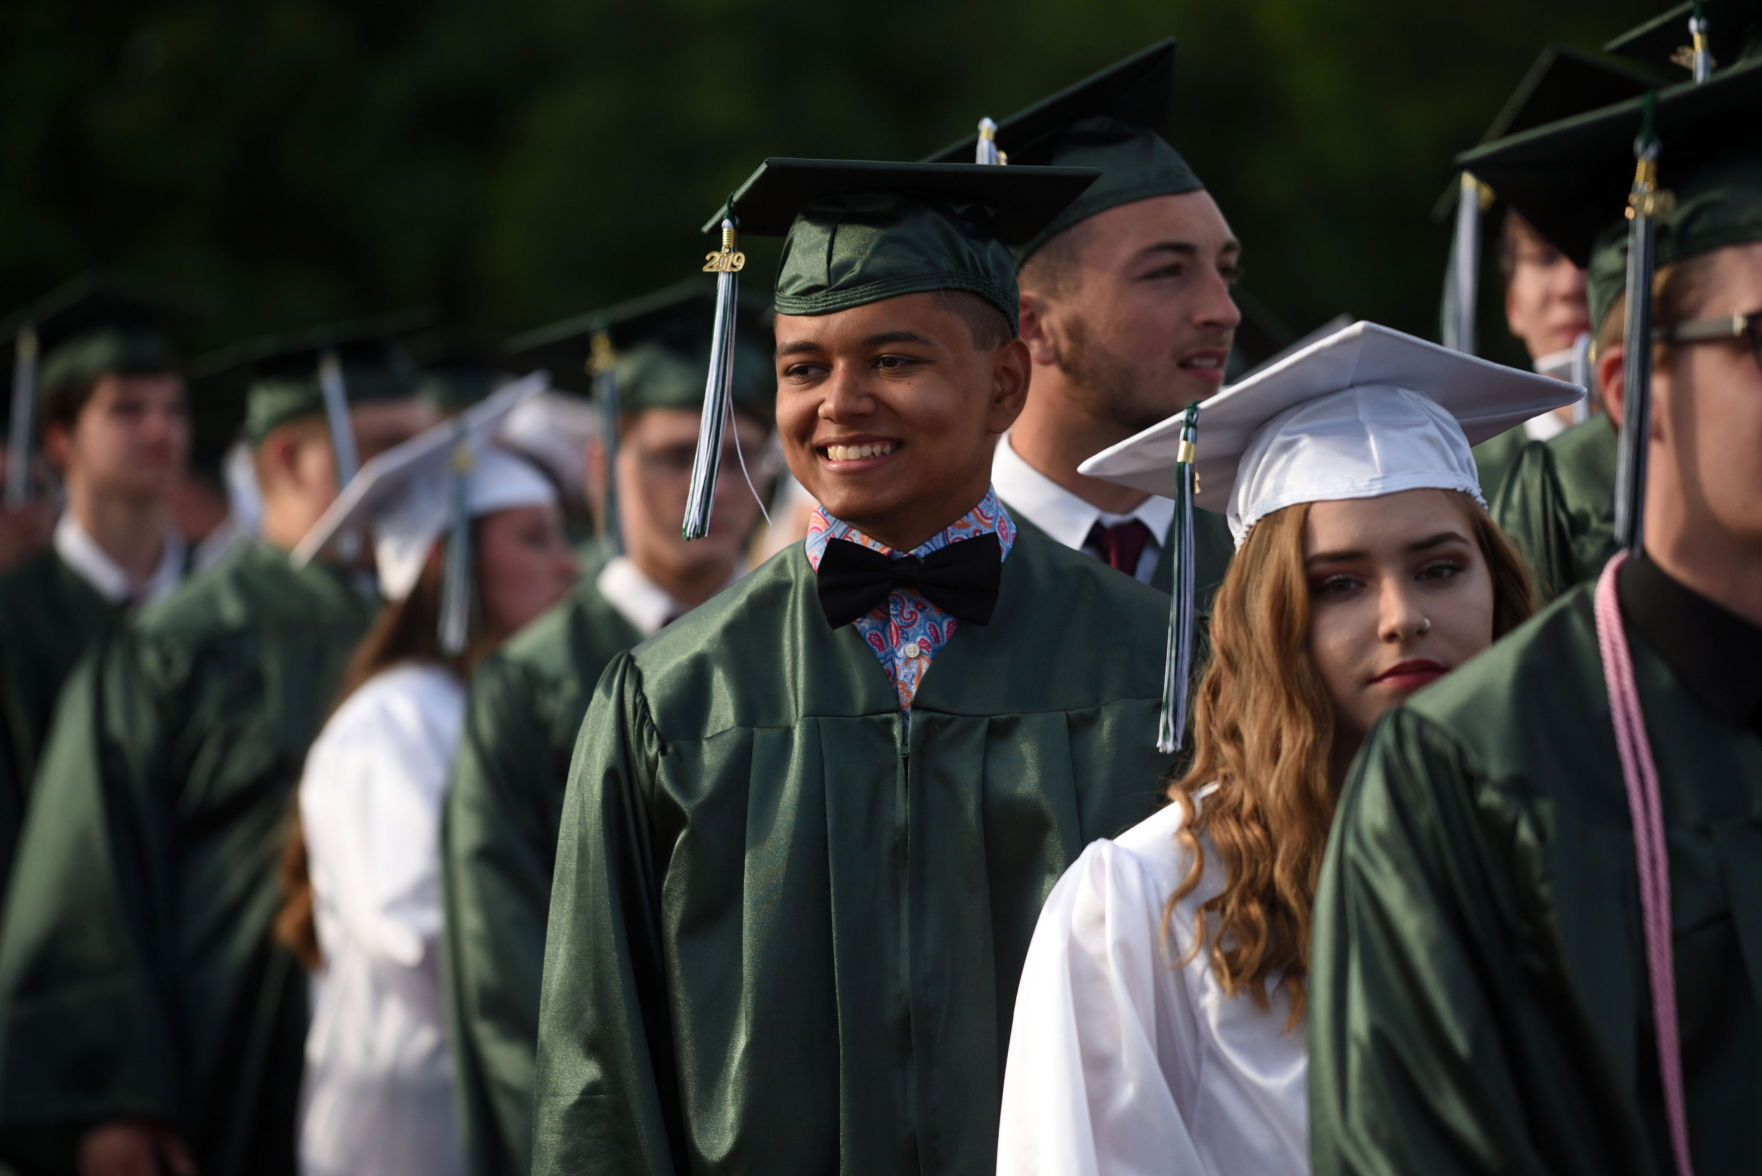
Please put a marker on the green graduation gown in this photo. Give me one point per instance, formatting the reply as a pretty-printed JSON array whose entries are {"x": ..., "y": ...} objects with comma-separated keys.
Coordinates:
[
  {"x": 1494, "y": 458},
  {"x": 49, "y": 615},
  {"x": 1479, "y": 991},
  {"x": 786, "y": 928},
  {"x": 499, "y": 845},
  {"x": 137, "y": 973},
  {"x": 1558, "y": 504}
]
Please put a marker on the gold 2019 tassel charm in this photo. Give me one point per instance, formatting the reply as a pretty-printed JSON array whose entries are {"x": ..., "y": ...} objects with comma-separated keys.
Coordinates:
[{"x": 726, "y": 264}]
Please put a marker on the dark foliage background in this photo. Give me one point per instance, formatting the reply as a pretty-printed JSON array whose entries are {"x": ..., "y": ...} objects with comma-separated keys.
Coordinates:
[{"x": 512, "y": 163}]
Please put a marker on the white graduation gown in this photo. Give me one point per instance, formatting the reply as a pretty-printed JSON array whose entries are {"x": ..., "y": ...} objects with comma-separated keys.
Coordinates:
[
  {"x": 378, "y": 1092},
  {"x": 1120, "y": 1061}
]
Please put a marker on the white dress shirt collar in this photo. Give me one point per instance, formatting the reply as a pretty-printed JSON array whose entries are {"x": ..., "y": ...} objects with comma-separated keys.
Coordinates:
[
  {"x": 1066, "y": 517},
  {"x": 638, "y": 599},
  {"x": 79, "y": 551}
]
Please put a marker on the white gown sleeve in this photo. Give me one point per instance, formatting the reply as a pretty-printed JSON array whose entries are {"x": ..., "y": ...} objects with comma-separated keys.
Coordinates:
[
  {"x": 1104, "y": 1053},
  {"x": 371, "y": 799}
]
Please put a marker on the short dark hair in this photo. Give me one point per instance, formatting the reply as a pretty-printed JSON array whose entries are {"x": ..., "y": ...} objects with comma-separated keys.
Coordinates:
[
  {"x": 61, "y": 405},
  {"x": 1678, "y": 291},
  {"x": 986, "y": 323},
  {"x": 1053, "y": 270}
]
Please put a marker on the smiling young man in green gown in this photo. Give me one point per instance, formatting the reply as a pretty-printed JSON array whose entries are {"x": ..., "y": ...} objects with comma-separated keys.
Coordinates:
[
  {"x": 499, "y": 843},
  {"x": 146, "y": 1016},
  {"x": 799, "y": 863},
  {"x": 1482, "y": 996}
]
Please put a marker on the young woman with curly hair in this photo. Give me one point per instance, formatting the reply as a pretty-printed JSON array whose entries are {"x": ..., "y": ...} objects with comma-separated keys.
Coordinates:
[{"x": 1159, "y": 1022}]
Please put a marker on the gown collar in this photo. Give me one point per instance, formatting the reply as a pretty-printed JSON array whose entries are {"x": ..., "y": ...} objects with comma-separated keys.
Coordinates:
[{"x": 1716, "y": 654}]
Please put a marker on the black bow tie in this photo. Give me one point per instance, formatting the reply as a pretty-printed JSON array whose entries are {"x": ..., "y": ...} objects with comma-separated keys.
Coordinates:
[{"x": 960, "y": 579}]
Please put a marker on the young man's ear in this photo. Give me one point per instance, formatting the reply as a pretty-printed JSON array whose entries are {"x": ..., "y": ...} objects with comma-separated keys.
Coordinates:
[
  {"x": 1010, "y": 374},
  {"x": 1608, "y": 381},
  {"x": 593, "y": 456},
  {"x": 57, "y": 442},
  {"x": 1039, "y": 329}
]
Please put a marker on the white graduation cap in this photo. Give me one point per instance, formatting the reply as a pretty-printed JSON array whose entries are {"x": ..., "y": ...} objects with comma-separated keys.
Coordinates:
[
  {"x": 1364, "y": 412},
  {"x": 432, "y": 485}
]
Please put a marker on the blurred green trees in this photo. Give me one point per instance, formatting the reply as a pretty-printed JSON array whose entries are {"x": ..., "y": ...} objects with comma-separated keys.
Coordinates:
[{"x": 304, "y": 159}]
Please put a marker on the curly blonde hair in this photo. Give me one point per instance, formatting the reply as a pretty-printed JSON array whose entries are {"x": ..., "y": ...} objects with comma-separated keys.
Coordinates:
[{"x": 1264, "y": 730}]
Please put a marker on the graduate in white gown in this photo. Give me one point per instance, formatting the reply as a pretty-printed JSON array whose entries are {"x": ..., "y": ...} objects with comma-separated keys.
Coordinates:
[
  {"x": 1159, "y": 1022},
  {"x": 363, "y": 902}
]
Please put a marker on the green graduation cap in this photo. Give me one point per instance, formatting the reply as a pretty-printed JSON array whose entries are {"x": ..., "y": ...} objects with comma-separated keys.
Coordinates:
[
  {"x": 1630, "y": 187},
  {"x": 319, "y": 370},
  {"x": 1562, "y": 82},
  {"x": 648, "y": 353},
  {"x": 856, "y": 232},
  {"x": 95, "y": 325},
  {"x": 1729, "y": 31},
  {"x": 1114, "y": 121}
]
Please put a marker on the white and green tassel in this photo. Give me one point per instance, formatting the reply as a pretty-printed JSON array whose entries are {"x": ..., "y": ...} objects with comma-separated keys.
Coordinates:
[
  {"x": 719, "y": 384},
  {"x": 1171, "y": 730},
  {"x": 1644, "y": 202},
  {"x": 455, "y": 602}
]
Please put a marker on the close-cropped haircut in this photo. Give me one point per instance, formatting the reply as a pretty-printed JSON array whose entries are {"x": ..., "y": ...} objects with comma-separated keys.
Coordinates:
[
  {"x": 1055, "y": 269},
  {"x": 985, "y": 323}
]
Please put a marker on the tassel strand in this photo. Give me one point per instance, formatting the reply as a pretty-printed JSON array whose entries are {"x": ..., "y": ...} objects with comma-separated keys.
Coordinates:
[
  {"x": 1171, "y": 731},
  {"x": 718, "y": 387}
]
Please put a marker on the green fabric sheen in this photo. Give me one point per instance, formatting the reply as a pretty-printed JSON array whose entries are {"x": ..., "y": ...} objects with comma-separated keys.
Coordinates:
[
  {"x": 498, "y": 850},
  {"x": 137, "y": 974},
  {"x": 114, "y": 350},
  {"x": 865, "y": 247},
  {"x": 1719, "y": 206},
  {"x": 49, "y": 616},
  {"x": 1558, "y": 504},
  {"x": 1135, "y": 164},
  {"x": 1479, "y": 993},
  {"x": 782, "y": 938},
  {"x": 1494, "y": 457}
]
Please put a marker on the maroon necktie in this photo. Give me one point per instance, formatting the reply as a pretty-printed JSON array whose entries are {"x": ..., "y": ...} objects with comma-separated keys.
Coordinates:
[{"x": 1121, "y": 545}]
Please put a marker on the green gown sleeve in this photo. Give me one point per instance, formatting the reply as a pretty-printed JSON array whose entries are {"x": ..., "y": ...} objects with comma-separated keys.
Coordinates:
[
  {"x": 87, "y": 1028},
  {"x": 498, "y": 845},
  {"x": 138, "y": 973},
  {"x": 1435, "y": 1047},
  {"x": 48, "y": 618},
  {"x": 600, "y": 1102}
]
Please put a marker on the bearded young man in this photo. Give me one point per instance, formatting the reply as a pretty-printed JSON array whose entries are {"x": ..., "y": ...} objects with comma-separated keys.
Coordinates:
[{"x": 1126, "y": 312}]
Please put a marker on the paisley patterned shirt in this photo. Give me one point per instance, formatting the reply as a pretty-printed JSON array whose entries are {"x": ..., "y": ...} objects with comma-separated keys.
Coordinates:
[{"x": 906, "y": 630}]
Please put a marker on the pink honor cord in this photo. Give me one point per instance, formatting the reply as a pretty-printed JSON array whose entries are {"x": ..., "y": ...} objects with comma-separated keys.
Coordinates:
[{"x": 1640, "y": 774}]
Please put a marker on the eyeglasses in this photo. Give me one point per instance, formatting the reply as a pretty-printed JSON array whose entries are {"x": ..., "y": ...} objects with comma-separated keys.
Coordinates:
[{"x": 1735, "y": 326}]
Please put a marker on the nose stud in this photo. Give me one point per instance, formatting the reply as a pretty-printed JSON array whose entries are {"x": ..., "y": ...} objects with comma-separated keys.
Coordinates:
[{"x": 1425, "y": 625}]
